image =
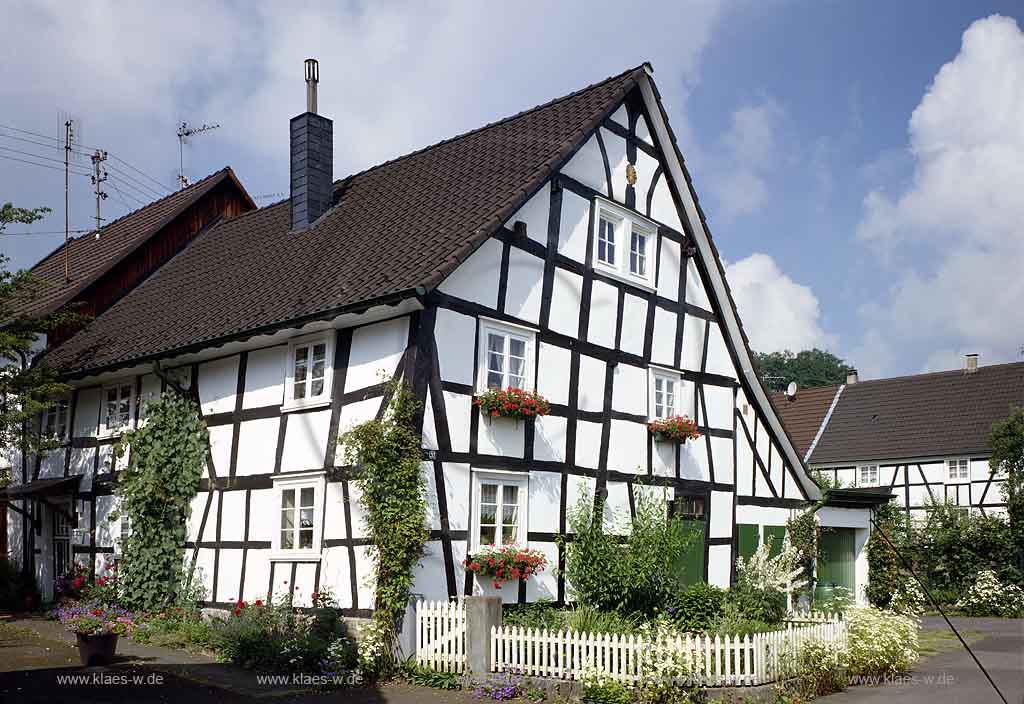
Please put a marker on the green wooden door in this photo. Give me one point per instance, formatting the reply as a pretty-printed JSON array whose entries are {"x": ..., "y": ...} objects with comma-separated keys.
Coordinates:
[
  {"x": 746, "y": 534},
  {"x": 693, "y": 564},
  {"x": 835, "y": 562},
  {"x": 777, "y": 534}
]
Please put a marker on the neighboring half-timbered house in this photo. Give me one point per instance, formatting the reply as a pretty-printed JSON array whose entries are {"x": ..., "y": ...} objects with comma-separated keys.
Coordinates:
[
  {"x": 561, "y": 250},
  {"x": 924, "y": 437}
]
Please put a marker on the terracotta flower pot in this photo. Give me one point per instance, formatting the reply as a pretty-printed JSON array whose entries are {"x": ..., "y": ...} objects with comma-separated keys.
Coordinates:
[{"x": 96, "y": 649}]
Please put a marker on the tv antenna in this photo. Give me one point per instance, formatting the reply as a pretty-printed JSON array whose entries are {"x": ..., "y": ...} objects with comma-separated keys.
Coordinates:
[
  {"x": 184, "y": 134},
  {"x": 98, "y": 177},
  {"x": 69, "y": 128}
]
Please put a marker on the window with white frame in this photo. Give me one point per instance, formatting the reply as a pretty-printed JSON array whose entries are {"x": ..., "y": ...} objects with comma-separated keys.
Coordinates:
[
  {"x": 867, "y": 475},
  {"x": 118, "y": 407},
  {"x": 665, "y": 394},
  {"x": 959, "y": 469},
  {"x": 500, "y": 502},
  {"x": 55, "y": 420},
  {"x": 299, "y": 512},
  {"x": 623, "y": 243},
  {"x": 308, "y": 381},
  {"x": 506, "y": 356}
]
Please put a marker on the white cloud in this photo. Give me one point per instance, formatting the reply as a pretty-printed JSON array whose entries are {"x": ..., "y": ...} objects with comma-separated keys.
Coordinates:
[
  {"x": 955, "y": 234},
  {"x": 777, "y": 312},
  {"x": 737, "y": 173}
]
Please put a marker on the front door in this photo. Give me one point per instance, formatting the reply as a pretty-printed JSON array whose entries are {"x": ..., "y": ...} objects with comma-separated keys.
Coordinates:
[{"x": 835, "y": 563}]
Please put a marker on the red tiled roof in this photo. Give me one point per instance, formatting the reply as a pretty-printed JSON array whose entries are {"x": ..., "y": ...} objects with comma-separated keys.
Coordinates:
[
  {"x": 803, "y": 414},
  {"x": 395, "y": 228}
]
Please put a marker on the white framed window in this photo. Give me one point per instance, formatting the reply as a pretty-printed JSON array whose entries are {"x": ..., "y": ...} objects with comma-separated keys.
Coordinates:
[
  {"x": 500, "y": 501},
  {"x": 298, "y": 516},
  {"x": 867, "y": 475},
  {"x": 506, "y": 356},
  {"x": 624, "y": 244},
  {"x": 958, "y": 469},
  {"x": 118, "y": 407},
  {"x": 55, "y": 419},
  {"x": 665, "y": 393},
  {"x": 310, "y": 371}
]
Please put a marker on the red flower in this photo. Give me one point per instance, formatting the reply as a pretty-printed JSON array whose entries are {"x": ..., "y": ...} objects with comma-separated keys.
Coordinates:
[
  {"x": 238, "y": 612},
  {"x": 97, "y": 612},
  {"x": 259, "y": 602}
]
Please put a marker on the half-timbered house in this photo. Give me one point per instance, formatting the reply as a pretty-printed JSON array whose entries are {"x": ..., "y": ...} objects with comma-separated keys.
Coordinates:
[{"x": 561, "y": 249}]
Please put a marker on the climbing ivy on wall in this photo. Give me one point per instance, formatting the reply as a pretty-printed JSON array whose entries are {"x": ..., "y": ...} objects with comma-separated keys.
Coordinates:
[
  {"x": 386, "y": 455},
  {"x": 168, "y": 455}
]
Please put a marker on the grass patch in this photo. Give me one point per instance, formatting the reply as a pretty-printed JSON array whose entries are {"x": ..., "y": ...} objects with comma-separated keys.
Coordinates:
[{"x": 943, "y": 641}]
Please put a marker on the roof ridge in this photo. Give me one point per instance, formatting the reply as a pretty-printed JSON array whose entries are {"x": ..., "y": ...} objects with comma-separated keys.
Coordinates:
[{"x": 944, "y": 372}]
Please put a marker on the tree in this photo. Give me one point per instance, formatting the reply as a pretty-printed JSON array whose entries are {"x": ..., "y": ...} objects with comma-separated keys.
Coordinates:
[
  {"x": 1007, "y": 443},
  {"x": 25, "y": 389},
  {"x": 808, "y": 368}
]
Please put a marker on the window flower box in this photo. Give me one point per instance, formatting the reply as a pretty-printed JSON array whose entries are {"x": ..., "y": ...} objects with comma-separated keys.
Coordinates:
[
  {"x": 504, "y": 564},
  {"x": 511, "y": 403},
  {"x": 674, "y": 429}
]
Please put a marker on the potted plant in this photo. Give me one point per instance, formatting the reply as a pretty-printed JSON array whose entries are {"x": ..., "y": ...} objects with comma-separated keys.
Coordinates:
[
  {"x": 505, "y": 564},
  {"x": 96, "y": 629},
  {"x": 512, "y": 403},
  {"x": 674, "y": 429}
]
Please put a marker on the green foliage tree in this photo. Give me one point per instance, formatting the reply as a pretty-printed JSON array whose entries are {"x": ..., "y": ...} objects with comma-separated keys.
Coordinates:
[
  {"x": 1007, "y": 443},
  {"x": 885, "y": 572},
  {"x": 808, "y": 368},
  {"x": 25, "y": 389},
  {"x": 156, "y": 491},
  {"x": 386, "y": 454},
  {"x": 635, "y": 573}
]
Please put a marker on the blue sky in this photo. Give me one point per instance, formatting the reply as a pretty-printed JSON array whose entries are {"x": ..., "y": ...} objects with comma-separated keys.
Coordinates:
[{"x": 845, "y": 224}]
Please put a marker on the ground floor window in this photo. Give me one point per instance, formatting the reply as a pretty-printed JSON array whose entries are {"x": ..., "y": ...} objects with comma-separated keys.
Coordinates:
[
  {"x": 500, "y": 502},
  {"x": 299, "y": 511}
]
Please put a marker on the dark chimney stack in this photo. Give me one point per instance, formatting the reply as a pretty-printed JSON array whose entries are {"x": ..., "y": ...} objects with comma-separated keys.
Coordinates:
[{"x": 312, "y": 158}]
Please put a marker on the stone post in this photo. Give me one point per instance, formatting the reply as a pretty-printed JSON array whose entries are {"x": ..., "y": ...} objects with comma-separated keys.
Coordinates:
[{"x": 482, "y": 612}]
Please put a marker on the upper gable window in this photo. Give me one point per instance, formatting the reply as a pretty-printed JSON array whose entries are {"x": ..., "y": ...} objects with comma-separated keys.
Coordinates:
[
  {"x": 958, "y": 469},
  {"x": 118, "y": 407},
  {"x": 506, "y": 356},
  {"x": 623, "y": 244},
  {"x": 308, "y": 381},
  {"x": 867, "y": 475},
  {"x": 55, "y": 420}
]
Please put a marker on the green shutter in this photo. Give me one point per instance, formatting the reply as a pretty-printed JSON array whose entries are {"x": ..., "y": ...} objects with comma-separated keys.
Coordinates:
[
  {"x": 778, "y": 534},
  {"x": 835, "y": 562},
  {"x": 747, "y": 533},
  {"x": 693, "y": 564}
]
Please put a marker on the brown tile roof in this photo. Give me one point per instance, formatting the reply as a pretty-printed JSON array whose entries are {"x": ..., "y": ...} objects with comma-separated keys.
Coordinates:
[
  {"x": 803, "y": 414},
  {"x": 91, "y": 257},
  {"x": 927, "y": 415},
  {"x": 396, "y": 227}
]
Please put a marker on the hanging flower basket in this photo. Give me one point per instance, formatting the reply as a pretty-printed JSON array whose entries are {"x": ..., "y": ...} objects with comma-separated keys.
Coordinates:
[
  {"x": 505, "y": 564},
  {"x": 512, "y": 403},
  {"x": 674, "y": 429}
]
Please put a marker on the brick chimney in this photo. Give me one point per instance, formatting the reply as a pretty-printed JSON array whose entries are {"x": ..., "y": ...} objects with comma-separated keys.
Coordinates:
[
  {"x": 971, "y": 363},
  {"x": 851, "y": 376},
  {"x": 312, "y": 158}
]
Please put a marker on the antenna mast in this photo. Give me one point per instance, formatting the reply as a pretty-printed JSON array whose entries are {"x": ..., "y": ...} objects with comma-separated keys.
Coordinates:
[
  {"x": 98, "y": 177},
  {"x": 184, "y": 132},
  {"x": 68, "y": 137}
]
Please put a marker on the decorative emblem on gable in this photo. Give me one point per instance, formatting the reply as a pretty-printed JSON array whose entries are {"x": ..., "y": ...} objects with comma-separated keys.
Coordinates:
[{"x": 630, "y": 174}]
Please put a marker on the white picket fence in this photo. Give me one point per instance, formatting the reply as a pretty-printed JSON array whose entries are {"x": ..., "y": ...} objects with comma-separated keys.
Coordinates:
[
  {"x": 441, "y": 635},
  {"x": 708, "y": 660},
  {"x": 811, "y": 616}
]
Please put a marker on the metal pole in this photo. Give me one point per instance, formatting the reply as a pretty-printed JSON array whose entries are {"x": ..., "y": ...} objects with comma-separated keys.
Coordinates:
[{"x": 67, "y": 226}]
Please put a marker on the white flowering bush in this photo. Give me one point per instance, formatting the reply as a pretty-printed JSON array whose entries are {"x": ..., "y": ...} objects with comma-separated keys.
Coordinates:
[
  {"x": 880, "y": 642},
  {"x": 908, "y": 599},
  {"x": 762, "y": 571},
  {"x": 821, "y": 667},
  {"x": 372, "y": 647},
  {"x": 990, "y": 597}
]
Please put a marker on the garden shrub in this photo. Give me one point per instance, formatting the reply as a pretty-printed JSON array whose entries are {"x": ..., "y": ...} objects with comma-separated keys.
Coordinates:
[
  {"x": 587, "y": 619},
  {"x": 988, "y": 596},
  {"x": 636, "y": 573},
  {"x": 751, "y": 604},
  {"x": 539, "y": 614},
  {"x": 601, "y": 689},
  {"x": 909, "y": 599},
  {"x": 821, "y": 668},
  {"x": 880, "y": 642},
  {"x": 696, "y": 608},
  {"x": 885, "y": 571}
]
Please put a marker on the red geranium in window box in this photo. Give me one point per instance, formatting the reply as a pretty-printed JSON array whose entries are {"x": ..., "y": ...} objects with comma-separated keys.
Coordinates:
[
  {"x": 677, "y": 429},
  {"x": 506, "y": 563},
  {"x": 512, "y": 403}
]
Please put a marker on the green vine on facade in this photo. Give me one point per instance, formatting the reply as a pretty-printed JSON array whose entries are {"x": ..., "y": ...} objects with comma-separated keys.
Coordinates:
[
  {"x": 155, "y": 492},
  {"x": 387, "y": 456}
]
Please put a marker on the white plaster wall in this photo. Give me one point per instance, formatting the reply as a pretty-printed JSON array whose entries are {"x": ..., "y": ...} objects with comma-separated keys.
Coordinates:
[
  {"x": 87, "y": 412},
  {"x": 334, "y": 511},
  {"x": 263, "y": 502},
  {"x": 693, "y": 342},
  {"x": 232, "y": 526},
  {"x": 257, "y": 445},
  {"x": 646, "y": 166},
  {"x": 642, "y": 131},
  {"x": 663, "y": 349},
  {"x": 721, "y": 515},
  {"x": 428, "y": 439},
  {"x": 719, "y": 361},
  {"x": 629, "y": 390},
  {"x": 693, "y": 461},
  {"x": 588, "y": 443},
  {"x": 455, "y": 334},
  {"x": 545, "y": 493},
  {"x": 476, "y": 278},
  {"x": 719, "y": 565},
  {"x": 634, "y": 320},
  {"x": 615, "y": 516},
  {"x": 552, "y": 376},
  {"x": 578, "y": 487},
  {"x": 762, "y": 515},
  {"x": 334, "y": 572},
  {"x": 934, "y": 472},
  {"x": 721, "y": 452},
  {"x": 500, "y": 436},
  {"x": 627, "y": 448},
  {"x": 218, "y": 382},
  {"x": 305, "y": 441},
  {"x": 587, "y": 166},
  {"x": 545, "y": 584},
  {"x": 456, "y": 478},
  {"x": 264, "y": 377},
  {"x": 220, "y": 448},
  {"x": 229, "y": 571},
  {"x": 459, "y": 409},
  {"x": 621, "y": 117},
  {"x": 534, "y": 214},
  {"x": 663, "y": 208},
  {"x": 668, "y": 270},
  {"x": 615, "y": 147},
  {"x": 573, "y": 225},
  {"x": 592, "y": 380},
  {"x": 525, "y": 284},
  {"x": 549, "y": 438},
  {"x": 695, "y": 291},
  {"x": 604, "y": 311},
  {"x": 376, "y": 351},
  {"x": 663, "y": 459},
  {"x": 566, "y": 298},
  {"x": 353, "y": 414}
]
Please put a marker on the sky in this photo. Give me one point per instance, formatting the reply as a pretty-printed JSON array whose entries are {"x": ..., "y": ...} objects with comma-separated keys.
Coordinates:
[{"x": 860, "y": 163}]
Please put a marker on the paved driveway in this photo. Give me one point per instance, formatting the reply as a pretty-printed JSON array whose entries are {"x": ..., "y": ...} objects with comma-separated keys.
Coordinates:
[{"x": 953, "y": 677}]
